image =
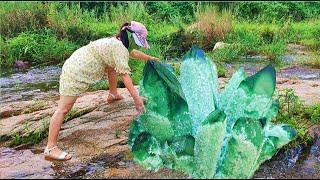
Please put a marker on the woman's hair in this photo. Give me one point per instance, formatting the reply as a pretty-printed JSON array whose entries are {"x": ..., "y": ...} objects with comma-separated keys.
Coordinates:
[{"x": 123, "y": 35}]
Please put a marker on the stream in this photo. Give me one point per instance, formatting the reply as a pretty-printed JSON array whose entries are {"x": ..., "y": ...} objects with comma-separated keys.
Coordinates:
[{"x": 42, "y": 82}]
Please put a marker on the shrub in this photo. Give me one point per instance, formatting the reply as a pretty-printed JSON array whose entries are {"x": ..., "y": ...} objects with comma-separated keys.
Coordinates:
[
  {"x": 214, "y": 25},
  {"x": 36, "y": 48},
  {"x": 228, "y": 55},
  {"x": 296, "y": 114},
  {"x": 130, "y": 11},
  {"x": 246, "y": 37},
  {"x": 17, "y": 17},
  {"x": 276, "y": 11},
  {"x": 176, "y": 12},
  {"x": 3, "y": 52}
]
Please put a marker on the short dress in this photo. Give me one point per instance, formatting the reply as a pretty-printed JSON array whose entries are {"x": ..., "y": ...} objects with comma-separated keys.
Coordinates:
[{"x": 87, "y": 65}]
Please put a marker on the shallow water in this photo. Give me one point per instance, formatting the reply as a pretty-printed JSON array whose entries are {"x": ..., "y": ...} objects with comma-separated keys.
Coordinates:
[
  {"x": 299, "y": 162},
  {"x": 34, "y": 83},
  {"x": 293, "y": 72}
]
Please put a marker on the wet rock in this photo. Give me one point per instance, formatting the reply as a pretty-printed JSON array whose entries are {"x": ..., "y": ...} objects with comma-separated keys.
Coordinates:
[
  {"x": 296, "y": 47},
  {"x": 314, "y": 132},
  {"x": 21, "y": 64},
  {"x": 288, "y": 58},
  {"x": 307, "y": 90},
  {"x": 299, "y": 72},
  {"x": 220, "y": 45},
  {"x": 23, "y": 164}
]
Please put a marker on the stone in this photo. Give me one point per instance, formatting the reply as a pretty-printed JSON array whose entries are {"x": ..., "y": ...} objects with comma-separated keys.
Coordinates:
[
  {"x": 21, "y": 64},
  {"x": 220, "y": 45},
  {"x": 23, "y": 163}
]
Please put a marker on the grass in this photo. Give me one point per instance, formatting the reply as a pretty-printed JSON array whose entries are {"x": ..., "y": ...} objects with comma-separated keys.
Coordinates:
[
  {"x": 38, "y": 105},
  {"x": 213, "y": 25},
  {"x": 30, "y": 137},
  {"x": 37, "y": 49},
  {"x": 42, "y": 132},
  {"x": 52, "y": 31},
  {"x": 295, "y": 113}
]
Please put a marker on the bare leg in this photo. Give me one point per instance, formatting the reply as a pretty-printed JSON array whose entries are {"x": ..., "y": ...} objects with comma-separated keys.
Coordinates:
[
  {"x": 64, "y": 106},
  {"x": 112, "y": 78}
]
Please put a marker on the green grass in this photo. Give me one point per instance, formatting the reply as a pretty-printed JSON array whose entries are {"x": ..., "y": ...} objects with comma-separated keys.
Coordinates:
[
  {"x": 300, "y": 117},
  {"x": 31, "y": 137},
  {"x": 37, "y": 49},
  {"x": 41, "y": 133},
  {"x": 38, "y": 105},
  {"x": 70, "y": 27}
]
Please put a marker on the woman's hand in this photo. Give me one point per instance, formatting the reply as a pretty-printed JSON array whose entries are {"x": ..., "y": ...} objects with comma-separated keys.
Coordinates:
[
  {"x": 154, "y": 58},
  {"x": 138, "y": 101}
]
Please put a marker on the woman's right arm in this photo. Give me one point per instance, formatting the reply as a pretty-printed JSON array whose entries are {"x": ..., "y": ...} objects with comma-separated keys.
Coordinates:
[
  {"x": 138, "y": 101},
  {"x": 140, "y": 55}
]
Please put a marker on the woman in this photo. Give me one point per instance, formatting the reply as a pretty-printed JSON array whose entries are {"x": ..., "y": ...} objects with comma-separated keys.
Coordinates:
[{"x": 88, "y": 65}]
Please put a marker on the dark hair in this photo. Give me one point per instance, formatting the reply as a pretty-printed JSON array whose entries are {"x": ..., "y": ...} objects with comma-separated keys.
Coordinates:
[{"x": 123, "y": 35}]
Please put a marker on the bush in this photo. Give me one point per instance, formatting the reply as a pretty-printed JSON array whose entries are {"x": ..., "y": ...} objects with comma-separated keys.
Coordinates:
[
  {"x": 276, "y": 11},
  {"x": 17, "y": 17},
  {"x": 37, "y": 49},
  {"x": 129, "y": 11},
  {"x": 215, "y": 26},
  {"x": 246, "y": 37},
  {"x": 273, "y": 51},
  {"x": 175, "y": 12},
  {"x": 136, "y": 70},
  {"x": 295, "y": 113},
  {"x": 3, "y": 51}
]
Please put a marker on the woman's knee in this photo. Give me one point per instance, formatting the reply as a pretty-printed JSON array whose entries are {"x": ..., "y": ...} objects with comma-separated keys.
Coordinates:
[{"x": 62, "y": 111}]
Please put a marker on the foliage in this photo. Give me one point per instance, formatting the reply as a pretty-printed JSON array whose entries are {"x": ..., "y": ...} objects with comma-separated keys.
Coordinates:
[
  {"x": 296, "y": 114},
  {"x": 17, "y": 17},
  {"x": 277, "y": 11},
  {"x": 171, "y": 11},
  {"x": 38, "y": 48}
]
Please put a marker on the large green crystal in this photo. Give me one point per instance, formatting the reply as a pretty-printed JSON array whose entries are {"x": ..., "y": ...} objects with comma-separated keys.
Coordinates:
[{"x": 189, "y": 126}]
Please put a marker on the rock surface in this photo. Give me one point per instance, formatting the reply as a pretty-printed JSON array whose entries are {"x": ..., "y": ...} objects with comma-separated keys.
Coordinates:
[{"x": 23, "y": 163}]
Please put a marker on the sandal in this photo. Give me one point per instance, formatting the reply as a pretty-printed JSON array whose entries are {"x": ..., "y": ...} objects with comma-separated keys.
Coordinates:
[
  {"x": 114, "y": 98},
  {"x": 61, "y": 157}
]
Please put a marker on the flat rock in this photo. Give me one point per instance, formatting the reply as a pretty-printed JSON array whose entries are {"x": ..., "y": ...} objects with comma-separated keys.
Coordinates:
[{"x": 23, "y": 164}]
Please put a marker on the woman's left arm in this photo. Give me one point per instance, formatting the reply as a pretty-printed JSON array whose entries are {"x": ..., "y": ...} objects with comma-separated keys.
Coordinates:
[{"x": 140, "y": 55}]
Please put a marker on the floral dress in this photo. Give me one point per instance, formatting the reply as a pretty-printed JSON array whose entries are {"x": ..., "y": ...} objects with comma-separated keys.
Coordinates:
[{"x": 87, "y": 65}]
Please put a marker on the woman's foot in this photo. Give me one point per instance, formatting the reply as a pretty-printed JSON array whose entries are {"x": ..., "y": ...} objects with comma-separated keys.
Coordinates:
[
  {"x": 55, "y": 153},
  {"x": 111, "y": 98}
]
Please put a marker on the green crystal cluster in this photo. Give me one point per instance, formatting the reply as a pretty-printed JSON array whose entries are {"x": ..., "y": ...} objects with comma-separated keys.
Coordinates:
[{"x": 189, "y": 126}]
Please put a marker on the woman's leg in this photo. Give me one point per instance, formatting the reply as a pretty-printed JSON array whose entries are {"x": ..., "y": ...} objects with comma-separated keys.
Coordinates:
[
  {"x": 64, "y": 106},
  {"x": 112, "y": 78}
]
